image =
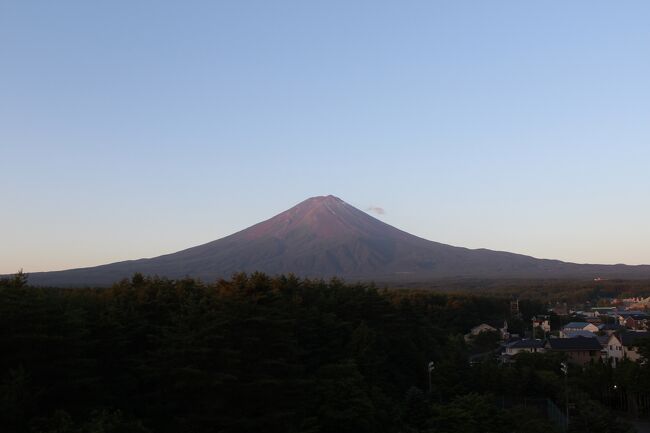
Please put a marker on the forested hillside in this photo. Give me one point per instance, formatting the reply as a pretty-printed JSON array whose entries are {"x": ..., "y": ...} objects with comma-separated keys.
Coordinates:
[
  {"x": 259, "y": 354},
  {"x": 549, "y": 291}
]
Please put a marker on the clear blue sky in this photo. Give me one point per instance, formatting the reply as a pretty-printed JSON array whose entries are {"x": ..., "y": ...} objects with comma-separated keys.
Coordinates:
[{"x": 134, "y": 128}]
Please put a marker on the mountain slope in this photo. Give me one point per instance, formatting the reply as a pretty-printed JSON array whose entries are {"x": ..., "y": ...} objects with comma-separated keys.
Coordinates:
[{"x": 324, "y": 237}]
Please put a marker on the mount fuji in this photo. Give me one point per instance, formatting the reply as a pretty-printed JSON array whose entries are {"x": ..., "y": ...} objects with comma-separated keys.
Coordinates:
[{"x": 323, "y": 237}]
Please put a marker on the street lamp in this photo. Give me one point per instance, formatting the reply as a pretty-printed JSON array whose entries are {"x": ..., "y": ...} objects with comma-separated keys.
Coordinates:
[
  {"x": 565, "y": 370},
  {"x": 618, "y": 397},
  {"x": 431, "y": 367}
]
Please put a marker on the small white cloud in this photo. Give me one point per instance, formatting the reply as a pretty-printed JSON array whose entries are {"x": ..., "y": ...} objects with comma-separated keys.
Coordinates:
[{"x": 376, "y": 210}]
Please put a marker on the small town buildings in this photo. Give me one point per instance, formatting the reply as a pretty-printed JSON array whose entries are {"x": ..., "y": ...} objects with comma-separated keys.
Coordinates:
[
  {"x": 542, "y": 322},
  {"x": 579, "y": 350},
  {"x": 609, "y": 328},
  {"x": 641, "y": 304},
  {"x": 578, "y": 326},
  {"x": 596, "y": 320},
  {"x": 526, "y": 345},
  {"x": 587, "y": 314},
  {"x": 623, "y": 346},
  {"x": 581, "y": 333},
  {"x": 633, "y": 319},
  {"x": 635, "y": 303},
  {"x": 637, "y": 322},
  {"x": 603, "y": 311}
]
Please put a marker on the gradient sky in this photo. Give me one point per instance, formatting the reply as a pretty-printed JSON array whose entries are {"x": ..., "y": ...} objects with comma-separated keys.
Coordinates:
[{"x": 131, "y": 129}]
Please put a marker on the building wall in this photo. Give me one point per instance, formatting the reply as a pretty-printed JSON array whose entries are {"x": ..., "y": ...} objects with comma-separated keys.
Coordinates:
[
  {"x": 631, "y": 353},
  {"x": 582, "y": 357},
  {"x": 515, "y": 351},
  {"x": 614, "y": 350}
]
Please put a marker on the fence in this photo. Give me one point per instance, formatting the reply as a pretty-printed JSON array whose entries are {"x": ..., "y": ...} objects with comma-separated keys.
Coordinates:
[
  {"x": 636, "y": 404},
  {"x": 556, "y": 415},
  {"x": 545, "y": 407}
]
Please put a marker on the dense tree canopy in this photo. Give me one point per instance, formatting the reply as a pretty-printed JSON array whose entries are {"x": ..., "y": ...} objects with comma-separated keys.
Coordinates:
[{"x": 255, "y": 353}]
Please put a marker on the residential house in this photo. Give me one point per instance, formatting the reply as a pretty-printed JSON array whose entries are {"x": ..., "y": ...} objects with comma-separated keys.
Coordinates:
[
  {"x": 623, "y": 346},
  {"x": 633, "y": 319},
  {"x": 543, "y": 323},
  {"x": 526, "y": 345},
  {"x": 637, "y": 321},
  {"x": 603, "y": 340},
  {"x": 579, "y": 350},
  {"x": 578, "y": 326}
]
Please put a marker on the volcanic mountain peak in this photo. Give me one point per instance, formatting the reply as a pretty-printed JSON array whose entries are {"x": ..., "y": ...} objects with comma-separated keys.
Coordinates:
[
  {"x": 321, "y": 217},
  {"x": 319, "y": 204},
  {"x": 320, "y": 200},
  {"x": 324, "y": 237},
  {"x": 314, "y": 207}
]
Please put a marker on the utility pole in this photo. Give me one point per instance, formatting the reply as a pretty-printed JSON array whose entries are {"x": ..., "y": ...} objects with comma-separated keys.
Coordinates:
[
  {"x": 431, "y": 367},
  {"x": 534, "y": 325},
  {"x": 565, "y": 370}
]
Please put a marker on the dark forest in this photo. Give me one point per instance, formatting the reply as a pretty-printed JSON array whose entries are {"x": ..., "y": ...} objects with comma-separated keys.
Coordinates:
[{"x": 277, "y": 354}]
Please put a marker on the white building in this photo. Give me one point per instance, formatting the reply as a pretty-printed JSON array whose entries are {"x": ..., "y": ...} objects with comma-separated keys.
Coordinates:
[{"x": 622, "y": 346}]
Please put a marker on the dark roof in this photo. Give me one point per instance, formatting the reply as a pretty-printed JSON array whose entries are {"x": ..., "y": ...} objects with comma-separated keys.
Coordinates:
[
  {"x": 580, "y": 333},
  {"x": 571, "y": 344},
  {"x": 610, "y": 327},
  {"x": 603, "y": 339},
  {"x": 635, "y": 314},
  {"x": 526, "y": 344},
  {"x": 630, "y": 337},
  {"x": 575, "y": 325}
]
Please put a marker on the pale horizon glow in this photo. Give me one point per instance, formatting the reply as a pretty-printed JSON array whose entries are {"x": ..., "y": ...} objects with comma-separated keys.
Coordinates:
[{"x": 131, "y": 130}]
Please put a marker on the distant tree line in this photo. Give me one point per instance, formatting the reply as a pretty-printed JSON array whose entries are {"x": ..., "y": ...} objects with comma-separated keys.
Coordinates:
[{"x": 572, "y": 291}]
